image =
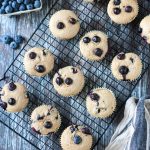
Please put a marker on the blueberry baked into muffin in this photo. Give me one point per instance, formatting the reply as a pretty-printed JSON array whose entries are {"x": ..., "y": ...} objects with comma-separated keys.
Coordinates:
[
  {"x": 38, "y": 61},
  {"x": 94, "y": 45},
  {"x": 144, "y": 29},
  {"x": 122, "y": 11},
  {"x": 14, "y": 97},
  {"x": 64, "y": 24},
  {"x": 126, "y": 66},
  {"x": 100, "y": 102},
  {"x": 68, "y": 81},
  {"x": 45, "y": 120},
  {"x": 76, "y": 137}
]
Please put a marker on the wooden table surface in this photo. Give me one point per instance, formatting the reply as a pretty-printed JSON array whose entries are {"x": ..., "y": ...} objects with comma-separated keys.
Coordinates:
[{"x": 25, "y": 25}]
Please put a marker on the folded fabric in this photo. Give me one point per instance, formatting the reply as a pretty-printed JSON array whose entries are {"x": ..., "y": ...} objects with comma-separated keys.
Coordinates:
[{"x": 133, "y": 132}]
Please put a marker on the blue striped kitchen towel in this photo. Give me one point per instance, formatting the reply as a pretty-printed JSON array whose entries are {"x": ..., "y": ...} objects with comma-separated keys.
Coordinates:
[{"x": 133, "y": 132}]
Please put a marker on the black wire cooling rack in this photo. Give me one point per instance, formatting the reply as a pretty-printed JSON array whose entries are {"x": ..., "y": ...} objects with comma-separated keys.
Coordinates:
[{"x": 121, "y": 38}]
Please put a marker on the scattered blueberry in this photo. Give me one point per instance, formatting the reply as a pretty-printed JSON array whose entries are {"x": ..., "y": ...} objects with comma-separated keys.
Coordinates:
[
  {"x": 37, "y": 4},
  {"x": 10, "y": 2},
  {"x": 27, "y": 2},
  {"x": 14, "y": 45},
  {"x": 4, "y": 3},
  {"x": 7, "y": 39},
  {"x": 77, "y": 139},
  {"x": 15, "y": 5},
  {"x": 22, "y": 7},
  {"x": 19, "y": 1},
  {"x": 30, "y": 6},
  {"x": 2, "y": 10},
  {"x": 8, "y": 9},
  {"x": 19, "y": 39}
]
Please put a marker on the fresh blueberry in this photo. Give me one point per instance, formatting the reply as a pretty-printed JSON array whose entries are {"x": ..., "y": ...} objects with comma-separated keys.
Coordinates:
[
  {"x": 8, "y": 9},
  {"x": 10, "y": 2},
  {"x": 19, "y": 39},
  {"x": 30, "y": 6},
  {"x": 22, "y": 7},
  {"x": 2, "y": 10},
  {"x": 5, "y": 3},
  {"x": 26, "y": 2},
  {"x": 19, "y": 1},
  {"x": 14, "y": 45},
  {"x": 37, "y": 4},
  {"x": 7, "y": 39},
  {"x": 77, "y": 139},
  {"x": 15, "y": 5}
]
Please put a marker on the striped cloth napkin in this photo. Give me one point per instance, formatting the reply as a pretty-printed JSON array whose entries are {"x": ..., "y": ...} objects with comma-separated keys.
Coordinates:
[{"x": 133, "y": 132}]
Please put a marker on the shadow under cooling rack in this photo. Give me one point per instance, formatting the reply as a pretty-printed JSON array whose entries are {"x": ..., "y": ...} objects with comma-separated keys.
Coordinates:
[{"x": 98, "y": 74}]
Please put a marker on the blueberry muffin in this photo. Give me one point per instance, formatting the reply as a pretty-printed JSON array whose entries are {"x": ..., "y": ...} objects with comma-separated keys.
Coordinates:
[
  {"x": 94, "y": 45},
  {"x": 45, "y": 120},
  {"x": 76, "y": 137},
  {"x": 144, "y": 29},
  {"x": 100, "y": 102},
  {"x": 38, "y": 61},
  {"x": 14, "y": 97},
  {"x": 64, "y": 24},
  {"x": 122, "y": 11},
  {"x": 68, "y": 81},
  {"x": 126, "y": 66}
]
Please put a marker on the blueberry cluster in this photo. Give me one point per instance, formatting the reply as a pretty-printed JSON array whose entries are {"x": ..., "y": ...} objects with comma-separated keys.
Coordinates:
[
  {"x": 13, "y": 42},
  {"x": 10, "y": 6}
]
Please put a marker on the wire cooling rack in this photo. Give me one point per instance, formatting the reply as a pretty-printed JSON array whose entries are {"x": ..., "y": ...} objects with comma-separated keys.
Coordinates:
[{"x": 121, "y": 38}]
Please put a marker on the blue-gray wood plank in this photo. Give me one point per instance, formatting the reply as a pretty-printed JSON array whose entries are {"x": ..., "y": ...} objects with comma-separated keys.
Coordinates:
[{"x": 25, "y": 25}]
